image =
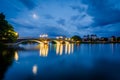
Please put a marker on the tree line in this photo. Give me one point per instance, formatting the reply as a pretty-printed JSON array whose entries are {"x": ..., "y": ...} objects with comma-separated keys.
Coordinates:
[
  {"x": 7, "y": 32},
  {"x": 95, "y": 38}
]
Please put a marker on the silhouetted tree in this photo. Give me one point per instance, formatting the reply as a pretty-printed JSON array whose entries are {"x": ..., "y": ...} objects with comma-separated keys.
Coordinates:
[
  {"x": 76, "y": 38},
  {"x": 7, "y": 33},
  {"x": 118, "y": 39},
  {"x": 104, "y": 39},
  {"x": 113, "y": 39}
]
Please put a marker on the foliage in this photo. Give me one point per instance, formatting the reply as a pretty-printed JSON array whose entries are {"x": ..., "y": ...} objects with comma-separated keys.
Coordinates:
[
  {"x": 113, "y": 38},
  {"x": 76, "y": 38},
  {"x": 118, "y": 39},
  {"x": 7, "y": 33}
]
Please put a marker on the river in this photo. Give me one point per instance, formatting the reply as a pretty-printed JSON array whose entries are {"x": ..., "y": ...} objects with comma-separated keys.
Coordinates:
[{"x": 61, "y": 62}]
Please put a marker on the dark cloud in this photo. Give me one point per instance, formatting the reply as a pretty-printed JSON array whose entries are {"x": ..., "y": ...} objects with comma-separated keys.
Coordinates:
[
  {"x": 8, "y": 8},
  {"x": 103, "y": 11},
  {"x": 61, "y": 21},
  {"x": 77, "y": 17},
  {"x": 28, "y": 3},
  {"x": 108, "y": 30},
  {"x": 79, "y": 8}
]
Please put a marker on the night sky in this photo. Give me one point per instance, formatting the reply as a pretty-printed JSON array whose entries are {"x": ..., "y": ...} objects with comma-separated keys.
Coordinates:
[{"x": 63, "y": 17}]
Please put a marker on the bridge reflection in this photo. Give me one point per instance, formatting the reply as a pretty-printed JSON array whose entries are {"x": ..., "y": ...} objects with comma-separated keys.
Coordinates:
[
  {"x": 43, "y": 49},
  {"x": 66, "y": 48},
  {"x": 60, "y": 49}
]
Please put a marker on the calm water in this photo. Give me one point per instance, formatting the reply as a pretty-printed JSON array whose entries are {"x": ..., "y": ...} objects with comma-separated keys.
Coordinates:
[{"x": 61, "y": 62}]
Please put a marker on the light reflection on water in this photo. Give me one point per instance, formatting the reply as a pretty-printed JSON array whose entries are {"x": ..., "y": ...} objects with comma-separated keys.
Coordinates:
[
  {"x": 43, "y": 49},
  {"x": 34, "y": 70},
  {"x": 70, "y": 61},
  {"x": 16, "y": 57},
  {"x": 66, "y": 48}
]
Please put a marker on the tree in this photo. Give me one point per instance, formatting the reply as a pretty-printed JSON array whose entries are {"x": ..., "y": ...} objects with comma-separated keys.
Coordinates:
[
  {"x": 76, "y": 38},
  {"x": 118, "y": 39},
  {"x": 113, "y": 39},
  {"x": 7, "y": 33},
  {"x": 104, "y": 39}
]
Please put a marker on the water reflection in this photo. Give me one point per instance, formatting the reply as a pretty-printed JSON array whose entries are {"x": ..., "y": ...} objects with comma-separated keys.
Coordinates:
[
  {"x": 59, "y": 48},
  {"x": 16, "y": 57},
  {"x": 95, "y": 66},
  {"x": 43, "y": 49},
  {"x": 67, "y": 47},
  {"x": 34, "y": 69},
  {"x": 6, "y": 60}
]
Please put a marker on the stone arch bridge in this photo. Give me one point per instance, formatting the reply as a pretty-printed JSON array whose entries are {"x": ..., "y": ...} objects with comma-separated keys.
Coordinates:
[{"x": 40, "y": 40}]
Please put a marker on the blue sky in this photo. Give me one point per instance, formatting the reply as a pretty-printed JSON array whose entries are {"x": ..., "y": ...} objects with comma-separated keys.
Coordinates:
[{"x": 63, "y": 17}]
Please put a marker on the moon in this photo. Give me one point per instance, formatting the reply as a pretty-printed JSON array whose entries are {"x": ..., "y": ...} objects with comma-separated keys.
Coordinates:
[{"x": 35, "y": 16}]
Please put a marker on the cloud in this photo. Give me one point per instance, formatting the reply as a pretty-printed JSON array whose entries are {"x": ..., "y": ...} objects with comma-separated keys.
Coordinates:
[
  {"x": 28, "y": 3},
  {"x": 75, "y": 17},
  {"x": 80, "y": 8},
  {"x": 48, "y": 16},
  {"x": 103, "y": 11},
  {"x": 61, "y": 22},
  {"x": 21, "y": 22},
  {"x": 58, "y": 17},
  {"x": 82, "y": 20},
  {"x": 52, "y": 31}
]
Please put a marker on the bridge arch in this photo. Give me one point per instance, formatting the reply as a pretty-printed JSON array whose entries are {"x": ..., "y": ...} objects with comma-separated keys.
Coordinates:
[
  {"x": 57, "y": 41},
  {"x": 19, "y": 42}
]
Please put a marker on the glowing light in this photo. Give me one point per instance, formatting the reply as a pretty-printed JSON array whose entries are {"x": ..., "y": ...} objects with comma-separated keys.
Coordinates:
[
  {"x": 59, "y": 48},
  {"x": 44, "y": 35},
  {"x": 69, "y": 38},
  {"x": 16, "y": 33},
  {"x": 43, "y": 49},
  {"x": 57, "y": 37},
  {"x": 45, "y": 42},
  {"x": 35, "y": 16},
  {"x": 69, "y": 48},
  {"x": 72, "y": 46},
  {"x": 16, "y": 57},
  {"x": 66, "y": 48},
  {"x": 61, "y": 37},
  {"x": 65, "y": 38},
  {"x": 34, "y": 69}
]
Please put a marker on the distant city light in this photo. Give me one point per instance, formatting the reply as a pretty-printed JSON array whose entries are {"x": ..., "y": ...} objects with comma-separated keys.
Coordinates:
[
  {"x": 68, "y": 38},
  {"x": 59, "y": 37},
  {"x": 65, "y": 38},
  {"x": 44, "y": 36}
]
